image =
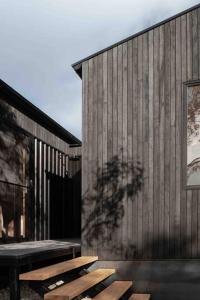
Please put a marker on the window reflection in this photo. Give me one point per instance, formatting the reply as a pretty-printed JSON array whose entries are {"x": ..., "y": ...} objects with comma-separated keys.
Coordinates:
[
  {"x": 193, "y": 135},
  {"x": 14, "y": 178}
]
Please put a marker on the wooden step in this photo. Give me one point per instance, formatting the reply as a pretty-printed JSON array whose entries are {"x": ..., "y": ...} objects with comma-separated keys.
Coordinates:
[
  {"x": 115, "y": 291},
  {"x": 140, "y": 297},
  {"x": 57, "y": 269},
  {"x": 80, "y": 285}
]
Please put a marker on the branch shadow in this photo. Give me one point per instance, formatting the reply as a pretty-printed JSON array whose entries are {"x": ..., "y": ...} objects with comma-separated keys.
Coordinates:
[
  {"x": 103, "y": 205},
  {"x": 12, "y": 140}
]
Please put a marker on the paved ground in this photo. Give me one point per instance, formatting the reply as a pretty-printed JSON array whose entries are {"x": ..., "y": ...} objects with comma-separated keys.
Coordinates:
[{"x": 26, "y": 293}]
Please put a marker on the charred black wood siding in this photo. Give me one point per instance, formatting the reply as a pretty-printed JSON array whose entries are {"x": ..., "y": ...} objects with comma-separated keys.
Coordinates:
[
  {"x": 57, "y": 175},
  {"x": 48, "y": 157}
]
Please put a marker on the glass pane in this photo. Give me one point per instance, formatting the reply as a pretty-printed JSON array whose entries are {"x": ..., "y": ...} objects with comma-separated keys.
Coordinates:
[
  {"x": 13, "y": 211},
  {"x": 193, "y": 135},
  {"x": 14, "y": 180}
]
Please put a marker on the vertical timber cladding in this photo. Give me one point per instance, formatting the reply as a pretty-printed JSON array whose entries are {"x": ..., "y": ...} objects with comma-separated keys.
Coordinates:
[
  {"x": 48, "y": 160},
  {"x": 133, "y": 98},
  {"x": 52, "y": 164}
]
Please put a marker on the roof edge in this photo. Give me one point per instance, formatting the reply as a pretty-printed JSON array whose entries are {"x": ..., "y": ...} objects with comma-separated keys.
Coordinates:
[
  {"x": 36, "y": 114},
  {"x": 77, "y": 66}
]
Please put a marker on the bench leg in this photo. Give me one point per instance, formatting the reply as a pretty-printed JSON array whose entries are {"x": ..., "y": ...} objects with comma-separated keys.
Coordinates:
[
  {"x": 14, "y": 283},
  {"x": 74, "y": 253}
]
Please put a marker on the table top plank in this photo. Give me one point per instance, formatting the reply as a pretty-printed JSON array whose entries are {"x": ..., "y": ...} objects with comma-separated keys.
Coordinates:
[{"x": 26, "y": 252}]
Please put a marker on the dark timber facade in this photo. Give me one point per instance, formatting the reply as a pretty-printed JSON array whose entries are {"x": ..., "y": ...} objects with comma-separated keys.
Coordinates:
[
  {"x": 134, "y": 104},
  {"x": 39, "y": 173}
]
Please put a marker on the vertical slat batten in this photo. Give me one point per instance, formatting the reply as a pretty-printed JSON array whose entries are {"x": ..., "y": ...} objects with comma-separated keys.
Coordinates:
[
  {"x": 105, "y": 140},
  {"x": 135, "y": 140},
  {"x": 145, "y": 133},
  {"x": 109, "y": 133},
  {"x": 167, "y": 58},
  {"x": 172, "y": 137},
  {"x": 119, "y": 129},
  {"x": 178, "y": 137},
  {"x": 151, "y": 142},
  {"x": 95, "y": 132},
  {"x": 183, "y": 211},
  {"x": 156, "y": 143},
  {"x": 161, "y": 142},
  {"x": 44, "y": 188},
  {"x": 130, "y": 142},
  {"x": 99, "y": 239},
  {"x": 35, "y": 186},
  {"x": 140, "y": 144},
  {"x": 90, "y": 204},
  {"x": 40, "y": 191},
  {"x": 125, "y": 144}
]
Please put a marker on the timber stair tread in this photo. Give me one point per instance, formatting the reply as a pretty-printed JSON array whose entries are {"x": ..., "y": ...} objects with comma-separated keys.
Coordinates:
[
  {"x": 78, "y": 286},
  {"x": 115, "y": 291},
  {"x": 57, "y": 269},
  {"x": 140, "y": 297}
]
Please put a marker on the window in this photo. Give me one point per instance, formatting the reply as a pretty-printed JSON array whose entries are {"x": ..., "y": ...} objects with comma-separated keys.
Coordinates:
[{"x": 193, "y": 135}]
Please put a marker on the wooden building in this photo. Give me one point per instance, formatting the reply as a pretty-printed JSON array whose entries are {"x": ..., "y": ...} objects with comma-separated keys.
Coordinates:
[
  {"x": 40, "y": 182},
  {"x": 141, "y": 103}
]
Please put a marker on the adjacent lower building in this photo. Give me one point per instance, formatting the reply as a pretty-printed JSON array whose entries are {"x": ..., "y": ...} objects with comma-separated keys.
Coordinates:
[{"x": 40, "y": 180}]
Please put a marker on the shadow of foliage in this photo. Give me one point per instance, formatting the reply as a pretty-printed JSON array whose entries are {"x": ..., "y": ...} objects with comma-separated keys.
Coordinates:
[
  {"x": 116, "y": 182},
  {"x": 11, "y": 140}
]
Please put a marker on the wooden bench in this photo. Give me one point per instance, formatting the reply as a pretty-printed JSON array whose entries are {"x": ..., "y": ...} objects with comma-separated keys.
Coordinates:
[
  {"x": 115, "y": 291},
  {"x": 80, "y": 285},
  {"x": 57, "y": 269},
  {"x": 140, "y": 297}
]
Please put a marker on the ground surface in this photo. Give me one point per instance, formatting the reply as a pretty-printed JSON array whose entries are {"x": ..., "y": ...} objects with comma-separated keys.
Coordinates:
[{"x": 26, "y": 293}]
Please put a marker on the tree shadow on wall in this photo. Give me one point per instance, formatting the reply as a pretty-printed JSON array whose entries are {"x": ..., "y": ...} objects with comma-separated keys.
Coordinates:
[
  {"x": 12, "y": 139},
  {"x": 103, "y": 205}
]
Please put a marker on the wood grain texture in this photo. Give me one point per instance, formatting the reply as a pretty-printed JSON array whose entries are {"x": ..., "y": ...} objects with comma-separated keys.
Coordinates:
[
  {"x": 140, "y": 297},
  {"x": 80, "y": 285},
  {"x": 57, "y": 269},
  {"x": 145, "y": 117},
  {"x": 114, "y": 291}
]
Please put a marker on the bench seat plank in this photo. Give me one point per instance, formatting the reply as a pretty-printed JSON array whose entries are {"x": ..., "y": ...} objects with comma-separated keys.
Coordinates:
[
  {"x": 57, "y": 269},
  {"x": 140, "y": 297},
  {"x": 78, "y": 286},
  {"x": 115, "y": 291}
]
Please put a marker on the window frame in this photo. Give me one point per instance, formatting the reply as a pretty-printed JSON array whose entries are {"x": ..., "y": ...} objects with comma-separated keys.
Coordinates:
[{"x": 186, "y": 85}]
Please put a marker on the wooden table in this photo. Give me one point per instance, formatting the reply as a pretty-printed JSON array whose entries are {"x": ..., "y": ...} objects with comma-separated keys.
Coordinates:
[{"x": 16, "y": 255}]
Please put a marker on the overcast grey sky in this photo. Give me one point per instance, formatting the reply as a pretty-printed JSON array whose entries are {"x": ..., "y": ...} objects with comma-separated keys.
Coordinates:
[{"x": 40, "y": 39}]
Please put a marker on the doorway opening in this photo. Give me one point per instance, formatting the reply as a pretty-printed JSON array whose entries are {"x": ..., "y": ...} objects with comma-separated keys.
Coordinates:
[{"x": 65, "y": 206}]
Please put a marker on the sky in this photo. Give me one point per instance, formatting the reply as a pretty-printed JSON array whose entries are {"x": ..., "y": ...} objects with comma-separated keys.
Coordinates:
[{"x": 41, "y": 39}]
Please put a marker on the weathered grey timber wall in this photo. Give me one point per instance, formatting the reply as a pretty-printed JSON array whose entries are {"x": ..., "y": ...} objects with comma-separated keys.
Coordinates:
[{"x": 132, "y": 107}]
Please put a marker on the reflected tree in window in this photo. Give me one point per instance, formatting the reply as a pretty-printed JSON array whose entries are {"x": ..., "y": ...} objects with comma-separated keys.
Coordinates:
[
  {"x": 14, "y": 175},
  {"x": 193, "y": 135}
]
